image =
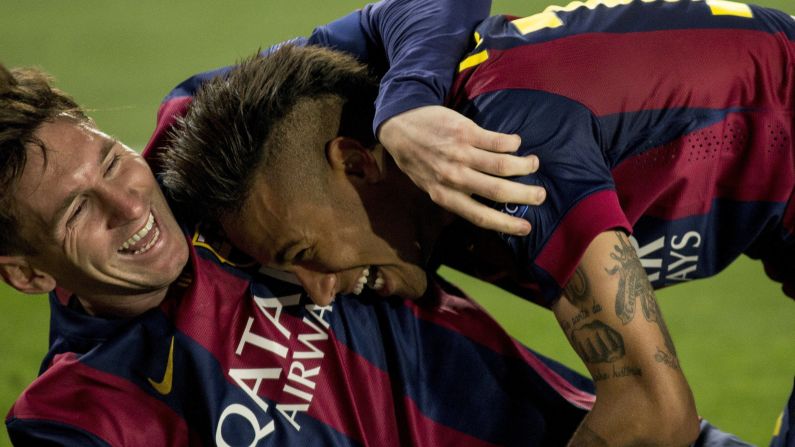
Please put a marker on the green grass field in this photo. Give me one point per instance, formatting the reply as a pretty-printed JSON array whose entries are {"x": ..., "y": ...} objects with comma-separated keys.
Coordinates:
[{"x": 734, "y": 333}]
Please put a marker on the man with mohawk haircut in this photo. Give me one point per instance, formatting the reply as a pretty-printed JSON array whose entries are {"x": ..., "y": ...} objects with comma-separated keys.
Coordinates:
[{"x": 698, "y": 172}]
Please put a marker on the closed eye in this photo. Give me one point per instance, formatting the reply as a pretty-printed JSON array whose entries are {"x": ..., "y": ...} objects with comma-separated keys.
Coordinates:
[
  {"x": 76, "y": 213},
  {"x": 301, "y": 256},
  {"x": 292, "y": 254},
  {"x": 113, "y": 163}
]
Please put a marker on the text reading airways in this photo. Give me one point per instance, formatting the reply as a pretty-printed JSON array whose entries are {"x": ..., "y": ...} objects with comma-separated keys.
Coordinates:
[
  {"x": 681, "y": 254},
  {"x": 301, "y": 374}
]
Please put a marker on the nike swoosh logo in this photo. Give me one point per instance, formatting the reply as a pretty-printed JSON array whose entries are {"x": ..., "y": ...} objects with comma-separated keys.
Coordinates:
[{"x": 164, "y": 386}]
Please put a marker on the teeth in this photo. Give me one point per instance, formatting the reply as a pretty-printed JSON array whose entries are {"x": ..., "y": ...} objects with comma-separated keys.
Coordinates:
[
  {"x": 142, "y": 233},
  {"x": 376, "y": 283},
  {"x": 150, "y": 243},
  {"x": 379, "y": 281},
  {"x": 360, "y": 283}
]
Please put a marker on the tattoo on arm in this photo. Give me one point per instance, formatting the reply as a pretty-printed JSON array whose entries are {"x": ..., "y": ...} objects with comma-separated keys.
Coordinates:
[
  {"x": 593, "y": 340},
  {"x": 633, "y": 286},
  {"x": 597, "y": 342},
  {"x": 578, "y": 292}
]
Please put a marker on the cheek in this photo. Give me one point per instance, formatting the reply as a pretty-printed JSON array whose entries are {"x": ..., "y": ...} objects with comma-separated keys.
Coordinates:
[
  {"x": 91, "y": 241},
  {"x": 420, "y": 280},
  {"x": 80, "y": 239},
  {"x": 336, "y": 255},
  {"x": 86, "y": 248}
]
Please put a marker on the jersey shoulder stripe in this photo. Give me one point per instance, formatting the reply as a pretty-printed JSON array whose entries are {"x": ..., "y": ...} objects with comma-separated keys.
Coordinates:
[
  {"x": 626, "y": 17},
  {"x": 67, "y": 395},
  {"x": 612, "y": 74}
]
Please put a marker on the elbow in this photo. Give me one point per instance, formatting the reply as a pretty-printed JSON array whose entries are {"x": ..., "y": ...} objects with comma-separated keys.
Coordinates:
[
  {"x": 652, "y": 419},
  {"x": 677, "y": 426},
  {"x": 677, "y": 416},
  {"x": 670, "y": 422}
]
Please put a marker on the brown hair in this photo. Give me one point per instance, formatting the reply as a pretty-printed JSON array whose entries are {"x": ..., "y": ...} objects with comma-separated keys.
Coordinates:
[
  {"x": 27, "y": 100},
  {"x": 260, "y": 117}
]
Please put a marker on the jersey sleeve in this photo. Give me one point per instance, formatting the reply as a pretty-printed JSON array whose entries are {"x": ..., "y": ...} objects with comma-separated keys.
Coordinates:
[
  {"x": 581, "y": 199},
  {"x": 417, "y": 45}
]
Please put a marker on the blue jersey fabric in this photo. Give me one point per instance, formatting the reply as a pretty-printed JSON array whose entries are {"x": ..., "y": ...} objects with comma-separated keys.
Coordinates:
[
  {"x": 672, "y": 120},
  {"x": 423, "y": 41},
  {"x": 249, "y": 360}
]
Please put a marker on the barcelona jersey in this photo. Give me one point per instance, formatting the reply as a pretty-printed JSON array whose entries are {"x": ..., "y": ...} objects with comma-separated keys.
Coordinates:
[
  {"x": 240, "y": 358},
  {"x": 671, "y": 120}
]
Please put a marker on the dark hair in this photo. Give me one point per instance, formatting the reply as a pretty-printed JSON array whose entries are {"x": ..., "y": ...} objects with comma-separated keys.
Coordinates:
[
  {"x": 254, "y": 119},
  {"x": 27, "y": 100}
]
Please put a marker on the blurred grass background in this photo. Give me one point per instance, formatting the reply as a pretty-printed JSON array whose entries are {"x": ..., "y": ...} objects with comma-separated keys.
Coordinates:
[{"x": 735, "y": 333}]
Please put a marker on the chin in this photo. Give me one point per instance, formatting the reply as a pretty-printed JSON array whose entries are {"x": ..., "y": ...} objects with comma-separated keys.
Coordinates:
[
  {"x": 416, "y": 289},
  {"x": 407, "y": 282},
  {"x": 410, "y": 295}
]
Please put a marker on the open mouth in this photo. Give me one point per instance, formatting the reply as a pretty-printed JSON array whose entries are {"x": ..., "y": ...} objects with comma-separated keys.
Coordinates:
[
  {"x": 373, "y": 281},
  {"x": 143, "y": 239}
]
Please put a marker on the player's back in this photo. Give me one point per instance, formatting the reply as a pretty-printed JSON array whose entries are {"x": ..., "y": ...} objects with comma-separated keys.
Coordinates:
[{"x": 686, "y": 104}]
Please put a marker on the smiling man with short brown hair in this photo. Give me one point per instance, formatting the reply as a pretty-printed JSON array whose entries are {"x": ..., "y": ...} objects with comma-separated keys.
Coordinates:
[{"x": 88, "y": 206}]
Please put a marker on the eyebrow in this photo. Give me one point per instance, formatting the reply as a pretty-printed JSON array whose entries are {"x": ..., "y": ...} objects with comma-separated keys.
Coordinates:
[{"x": 107, "y": 145}]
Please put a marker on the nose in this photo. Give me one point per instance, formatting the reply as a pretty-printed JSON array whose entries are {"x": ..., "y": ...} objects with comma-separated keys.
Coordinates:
[
  {"x": 122, "y": 204},
  {"x": 320, "y": 286}
]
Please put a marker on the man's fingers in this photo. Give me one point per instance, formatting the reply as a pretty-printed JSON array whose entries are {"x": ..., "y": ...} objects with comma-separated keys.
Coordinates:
[
  {"x": 481, "y": 215},
  {"x": 502, "y": 165},
  {"x": 497, "y": 189},
  {"x": 492, "y": 141}
]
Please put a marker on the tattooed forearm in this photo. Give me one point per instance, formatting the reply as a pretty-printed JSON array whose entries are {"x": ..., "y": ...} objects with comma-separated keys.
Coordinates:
[
  {"x": 668, "y": 359},
  {"x": 669, "y": 343},
  {"x": 579, "y": 293},
  {"x": 633, "y": 286},
  {"x": 597, "y": 342}
]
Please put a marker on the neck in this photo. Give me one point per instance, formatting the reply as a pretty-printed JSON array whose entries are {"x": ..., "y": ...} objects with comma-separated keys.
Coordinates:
[
  {"x": 123, "y": 306},
  {"x": 429, "y": 218}
]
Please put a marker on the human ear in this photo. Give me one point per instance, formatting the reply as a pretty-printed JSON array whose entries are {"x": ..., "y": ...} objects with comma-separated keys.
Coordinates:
[
  {"x": 19, "y": 274},
  {"x": 348, "y": 155}
]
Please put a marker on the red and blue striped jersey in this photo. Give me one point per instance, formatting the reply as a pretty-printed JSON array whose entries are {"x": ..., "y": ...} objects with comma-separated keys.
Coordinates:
[
  {"x": 236, "y": 357},
  {"x": 669, "y": 118},
  {"x": 240, "y": 358}
]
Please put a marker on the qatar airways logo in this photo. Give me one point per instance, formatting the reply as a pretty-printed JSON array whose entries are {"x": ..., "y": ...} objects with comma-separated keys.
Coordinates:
[
  {"x": 670, "y": 259},
  {"x": 303, "y": 350}
]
